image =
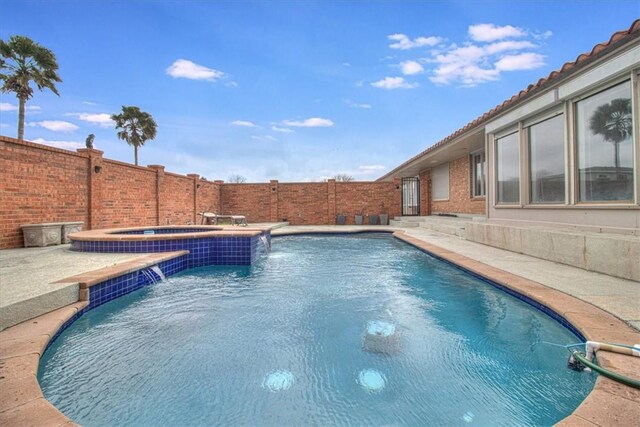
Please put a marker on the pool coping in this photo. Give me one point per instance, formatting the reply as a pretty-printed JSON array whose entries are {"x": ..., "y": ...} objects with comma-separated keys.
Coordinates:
[
  {"x": 609, "y": 403},
  {"x": 111, "y": 234}
]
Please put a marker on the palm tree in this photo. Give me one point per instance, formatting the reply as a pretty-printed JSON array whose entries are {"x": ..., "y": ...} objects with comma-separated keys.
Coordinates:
[
  {"x": 137, "y": 127},
  {"x": 613, "y": 121},
  {"x": 23, "y": 61}
]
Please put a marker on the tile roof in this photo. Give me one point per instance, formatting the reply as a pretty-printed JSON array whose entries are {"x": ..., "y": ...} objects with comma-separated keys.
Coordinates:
[{"x": 618, "y": 39}]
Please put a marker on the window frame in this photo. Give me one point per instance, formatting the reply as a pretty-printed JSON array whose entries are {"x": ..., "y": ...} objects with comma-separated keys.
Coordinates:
[
  {"x": 482, "y": 153},
  {"x": 433, "y": 196},
  {"x": 517, "y": 130},
  {"x": 633, "y": 79},
  {"x": 526, "y": 126},
  {"x": 567, "y": 107}
]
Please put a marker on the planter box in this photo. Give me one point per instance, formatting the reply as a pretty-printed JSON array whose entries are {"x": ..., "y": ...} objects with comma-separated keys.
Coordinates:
[
  {"x": 384, "y": 219},
  {"x": 359, "y": 219},
  {"x": 42, "y": 234},
  {"x": 373, "y": 219},
  {"x": 340, "y": 219},
  {"x": 68, "y": 228}
]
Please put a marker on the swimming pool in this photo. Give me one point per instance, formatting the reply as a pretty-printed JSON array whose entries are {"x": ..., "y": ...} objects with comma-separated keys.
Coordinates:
[{"x": 285, "y": 342}]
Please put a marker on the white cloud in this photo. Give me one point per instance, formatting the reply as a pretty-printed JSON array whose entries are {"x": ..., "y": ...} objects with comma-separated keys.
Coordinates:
[
  {"x": 402, "y": 42},
  {"x": 313, "y": 122},
  {"x": 281, "y": 130},
  {"x": 89, "y": 103},
  {"x": 410, "y": 68},
  {"x": 523, "y": 61},
  {"x": 231, "y": 84},
  {"x": 371, "y": 168},
  {"x": 101, "y": 119},
  {"x": 346, "y": 64},
  {"x": 356, "y": 105},
  {"x": 474, "y": 64},
  {"x": 4, "y": 125},
  {"x": 7, "y": 106},
  {"x": 55, "y": 125},
  {"x": 244, "y": 123},
  {"x": 65, "y": 145},
  {"x": 393, "y": 83},
  {"x": 543, "y": 35},
  {"x": 186, "y": 69},
  {"x": 491, "y": 32},
  {"x": 263, "y": 138},
  {"x": 507, "y": 46}
]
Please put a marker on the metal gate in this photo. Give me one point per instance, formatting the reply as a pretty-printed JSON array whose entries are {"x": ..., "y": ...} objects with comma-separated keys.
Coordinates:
[{"x": 410, "y": 196}]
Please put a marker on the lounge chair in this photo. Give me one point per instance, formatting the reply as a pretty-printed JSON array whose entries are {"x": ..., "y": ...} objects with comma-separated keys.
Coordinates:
[{"x": 213, "y": 218}]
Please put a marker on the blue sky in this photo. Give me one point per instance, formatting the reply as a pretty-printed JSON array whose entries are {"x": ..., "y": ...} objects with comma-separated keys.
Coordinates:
[{"x": 294, "y": 91}]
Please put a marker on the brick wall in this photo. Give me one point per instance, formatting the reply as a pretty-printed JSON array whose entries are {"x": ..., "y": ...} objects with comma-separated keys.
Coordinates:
[
  {"x": 368, "y": 197},
  {"x": 303, "y": 204},
  {"x": 460, "y": 200},
  {"x": 128, "y": 196},
  {"x": 310, "y": 203},
  {"x": 180, "y": 207},
  {"x": 425, "y": 192},
  {"x": 39, "y": 184},
  {"x": 251, "y": 200},
  {"x": 208, "y": 198},
  {"x": 45, "y": 184}
]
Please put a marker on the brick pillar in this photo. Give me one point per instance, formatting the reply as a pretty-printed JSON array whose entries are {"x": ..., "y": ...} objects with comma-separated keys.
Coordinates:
[
  {"x": 95, "y": 184},
  {"x": 273, "y": 188},
  {"x": 196, "y": 185},
  {"x": 396, "y": 209},
  {"x": 220, "y": 210},
  {"x": 160, "y": 194},
  {"x": 331, "y": 201},
  {"x": 425, "y": 192}
]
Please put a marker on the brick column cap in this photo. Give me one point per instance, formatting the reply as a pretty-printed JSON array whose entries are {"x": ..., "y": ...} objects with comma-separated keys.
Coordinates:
[
  {"x": 161, "y": 167},
  {"x": 91, "y": 152}
]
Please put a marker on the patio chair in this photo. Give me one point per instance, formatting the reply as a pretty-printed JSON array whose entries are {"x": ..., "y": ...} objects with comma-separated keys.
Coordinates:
[{"x": 213, "y": 218}]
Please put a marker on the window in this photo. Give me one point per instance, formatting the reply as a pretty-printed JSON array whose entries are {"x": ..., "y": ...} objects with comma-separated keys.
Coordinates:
[
  {"x": 440, "y": 182},
  {"x": 508, "y": 169},
  {"x": 605, "y": 145},
  {"x": 478, "y": 175},
  {"x": 546, "y": 161}
]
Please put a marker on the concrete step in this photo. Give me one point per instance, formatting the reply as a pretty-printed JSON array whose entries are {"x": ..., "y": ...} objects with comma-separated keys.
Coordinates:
[
  {"x": 609, "y": 253},
  {"x": 403, "y": 223},
  {"x": 442, "y": 227}
]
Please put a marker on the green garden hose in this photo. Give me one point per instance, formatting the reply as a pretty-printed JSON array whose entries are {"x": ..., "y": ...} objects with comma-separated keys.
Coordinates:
[{"x": 611, "y": 375}]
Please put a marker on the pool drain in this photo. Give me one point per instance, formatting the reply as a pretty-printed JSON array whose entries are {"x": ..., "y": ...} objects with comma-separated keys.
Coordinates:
[
  {"x": 372, "y": 380},
  {"x": 278, "y": 380},
  {"x": 468, "y": 417}
]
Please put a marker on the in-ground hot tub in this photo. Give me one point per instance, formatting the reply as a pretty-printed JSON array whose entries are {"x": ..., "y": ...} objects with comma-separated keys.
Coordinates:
[{"x": 207, "y": 245}]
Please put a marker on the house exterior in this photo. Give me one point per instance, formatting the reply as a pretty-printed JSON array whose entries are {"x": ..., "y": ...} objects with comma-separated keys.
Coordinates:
[{"x": 565, "y": 150}]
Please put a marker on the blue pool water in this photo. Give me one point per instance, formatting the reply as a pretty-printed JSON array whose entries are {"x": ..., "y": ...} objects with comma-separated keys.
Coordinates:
[{"x": 323, "y": 331}]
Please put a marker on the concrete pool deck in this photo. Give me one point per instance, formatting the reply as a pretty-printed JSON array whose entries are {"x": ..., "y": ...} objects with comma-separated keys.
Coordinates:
[{"x": 604, "y": 308}]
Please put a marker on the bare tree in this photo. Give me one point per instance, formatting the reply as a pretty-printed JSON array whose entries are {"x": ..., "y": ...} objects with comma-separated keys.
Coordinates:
[
  {"x": 237, "y": 179},
  {"x": 343, "y": 177}
]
